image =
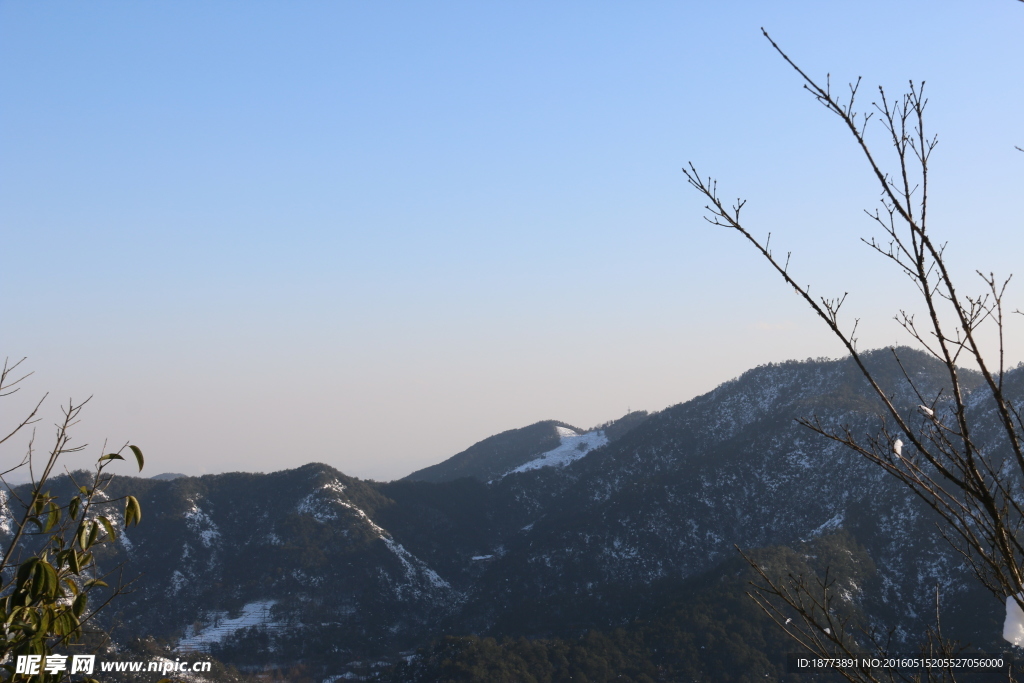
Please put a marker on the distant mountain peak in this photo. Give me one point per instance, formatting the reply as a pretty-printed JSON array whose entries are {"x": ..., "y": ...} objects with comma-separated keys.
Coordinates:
[
  {"x": 538, "y": 445},
  {"x": 498, "y": 454}
]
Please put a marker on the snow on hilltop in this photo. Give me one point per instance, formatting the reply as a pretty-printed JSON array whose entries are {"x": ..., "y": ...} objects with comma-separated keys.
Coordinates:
[{"x": 573, "y": 446}]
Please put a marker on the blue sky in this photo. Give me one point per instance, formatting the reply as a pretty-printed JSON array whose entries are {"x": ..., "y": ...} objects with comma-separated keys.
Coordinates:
[{"x": 371, "y": 234}]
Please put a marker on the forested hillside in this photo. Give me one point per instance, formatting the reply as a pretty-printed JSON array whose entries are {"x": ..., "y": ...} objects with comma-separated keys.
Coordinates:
[{"x": 620, "y": 558}]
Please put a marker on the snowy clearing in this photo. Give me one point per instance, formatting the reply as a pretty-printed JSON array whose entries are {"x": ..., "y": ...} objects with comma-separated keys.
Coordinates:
[
  {"x": 253, "y": 614},
  {"x": 573, "y": 446}
]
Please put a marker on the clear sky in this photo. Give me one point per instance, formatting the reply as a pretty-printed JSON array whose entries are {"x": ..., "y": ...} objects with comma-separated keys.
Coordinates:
[{"x": 370, "y": 234}]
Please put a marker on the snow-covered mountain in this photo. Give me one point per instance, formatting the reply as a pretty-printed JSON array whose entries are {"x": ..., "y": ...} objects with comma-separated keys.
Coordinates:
[{"x": 539, "y": 530}]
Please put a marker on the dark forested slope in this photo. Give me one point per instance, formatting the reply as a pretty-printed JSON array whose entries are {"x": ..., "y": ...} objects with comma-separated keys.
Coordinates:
[{"x": 312, "y": 566}]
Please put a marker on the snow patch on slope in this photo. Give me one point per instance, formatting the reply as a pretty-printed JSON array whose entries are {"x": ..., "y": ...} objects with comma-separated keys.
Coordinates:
[
  {"x": 6, "y": 516},
  {"x": 178, "y": 582},
  {"x": 220, "y": 627},
  {"x": 573, "y": 446},
  {"x": 317, "y": 504},
  {"x": 836, "y": 522},
  {"x": 201, "y": 523},
  {"x": 416, "y": 571},
  {"x": 414, "y": 568}
]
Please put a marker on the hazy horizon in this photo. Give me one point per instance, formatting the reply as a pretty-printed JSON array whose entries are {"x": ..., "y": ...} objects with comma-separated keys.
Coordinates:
[{"x": 371, "y": 235}]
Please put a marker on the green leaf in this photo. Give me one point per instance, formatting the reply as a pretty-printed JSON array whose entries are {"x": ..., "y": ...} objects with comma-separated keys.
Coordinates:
[
  {"x": 96, "y": 582},
  {"x": 35, "y": 646},
  {"x": 44, "y": 581},
  {"x": 19, "y": 599},
  {"x": 46, "y": 576},
  {"x": 83, "y": 535},
  {"x": 78, "y": 606},
  {"x": 65, "y": 624},
  {"x": 132, "y": 511},
  {"x": 138, "y": 456},
  {"x": 73, "y": 563},
  {"x": 25, "y": 571},
  {"x": 110, "y": 456},
  {"x": 94, "y": 529},
  {"x": 31, "y": 623},
  {"x": 109, "y": 527},
  {"x": 52, "y": 516},
  {"x": 73, "y": 507}
]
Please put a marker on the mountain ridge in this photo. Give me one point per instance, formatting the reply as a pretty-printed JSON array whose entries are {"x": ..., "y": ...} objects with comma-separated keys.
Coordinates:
[{"x": 333, "y": 569}]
